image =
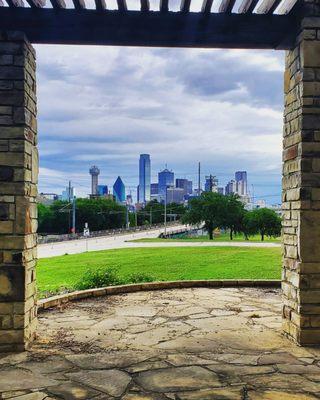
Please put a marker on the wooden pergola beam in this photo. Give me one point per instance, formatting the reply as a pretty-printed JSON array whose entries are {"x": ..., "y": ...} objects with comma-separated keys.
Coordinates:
[
  {"x": 247, "y": 6},
  {"x": 15, "y": 3},
  {"x": 226, "y": 6},
  {"x": 122, "y": 5},
  {"x": 268, "y": 6},
  {"x": 100, "y": 5},
  {"x": 79, "y": 4},
  {"x": 36, "y": 3},
  {"x": 58, "y": 4},
  {"x": 158, "y": 29}
]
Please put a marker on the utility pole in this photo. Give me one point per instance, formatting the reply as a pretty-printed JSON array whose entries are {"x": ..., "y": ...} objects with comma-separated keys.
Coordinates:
[
  {"x": 199, "y": 179},
  {"x": 165, "y": 214},
  {"x": 74, "y": 214},
  {"x": 69, "y": 192},
  {"x": 127, "y": 216},
  {"x": 150, "y": 215}
]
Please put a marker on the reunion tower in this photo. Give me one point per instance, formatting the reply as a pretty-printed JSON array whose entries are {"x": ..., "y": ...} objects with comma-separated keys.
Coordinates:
[{"x": 94, "y": 172}]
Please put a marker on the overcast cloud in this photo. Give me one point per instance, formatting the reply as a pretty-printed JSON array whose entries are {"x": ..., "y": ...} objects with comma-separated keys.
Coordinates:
[{"x": 106, "y": 105}]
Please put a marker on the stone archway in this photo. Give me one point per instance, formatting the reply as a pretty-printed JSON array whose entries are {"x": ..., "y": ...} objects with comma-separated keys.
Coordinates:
[{"x": 301, "y": 187}]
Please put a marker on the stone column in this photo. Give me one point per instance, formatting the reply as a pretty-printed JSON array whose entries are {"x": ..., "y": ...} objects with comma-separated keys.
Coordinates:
[
  {"x": 18, "y": 190},
  {"x": 301, "y": 184}
]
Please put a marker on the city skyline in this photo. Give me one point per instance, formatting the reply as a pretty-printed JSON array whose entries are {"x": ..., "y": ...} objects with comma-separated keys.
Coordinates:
[
  {"x": 167, "y": 181},
  {"x": 175, "y": 177}
]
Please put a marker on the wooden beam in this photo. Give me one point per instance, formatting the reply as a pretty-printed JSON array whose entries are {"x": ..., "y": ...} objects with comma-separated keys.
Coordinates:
[
  {"x": 15, "y": 3},
  {"x": 122, "y": 5},
  {"x": 164, "y": 6},
  {"x": 226, "y": 6},
  {"x": 153, "y": 29},
  {"x": 206, "y": 6},
  {"x": 286, "y": 6},
  {"x": 100, "y": 5},
  {"x": 36, "y": 3},
  {"x": 185, "y": 6},
  {"x": 58, "y": 4},
  {"x": 144, "y": 5},
  {"x": 247, "y": 6},
  {"x": 79, "y": 4},
  {"x": 268, "y": 6}
]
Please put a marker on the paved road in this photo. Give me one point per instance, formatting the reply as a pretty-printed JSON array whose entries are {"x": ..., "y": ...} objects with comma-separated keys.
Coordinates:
[{"x": 123, "y": 241}]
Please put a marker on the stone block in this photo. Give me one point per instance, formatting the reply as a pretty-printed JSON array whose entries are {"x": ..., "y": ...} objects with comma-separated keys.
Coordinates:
[
  {"x": 309, "y": 236},
  {"x": 309, "y": 336},
  {"x": 11, "y": 283},
  {"x": 310, "y": 52},
  {"x": 6, "y": 174},
  {"x": 6, "y": 227},
  {"x": 310, "y": 296}
]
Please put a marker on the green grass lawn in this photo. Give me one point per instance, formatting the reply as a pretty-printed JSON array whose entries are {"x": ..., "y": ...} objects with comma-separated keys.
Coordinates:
[
  {"x": 59, "y": 273},
  {"x": 224, "y": 237}
]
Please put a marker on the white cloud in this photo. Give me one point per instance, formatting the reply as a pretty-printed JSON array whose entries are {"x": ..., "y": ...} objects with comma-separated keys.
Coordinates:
[{"x": 106, "y": 105}]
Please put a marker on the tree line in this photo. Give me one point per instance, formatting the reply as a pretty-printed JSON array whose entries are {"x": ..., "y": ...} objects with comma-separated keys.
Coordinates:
[
  {"x": 101, "y": 214},
  {"x": 216, "y": 211},
  {"x": 212, "y": 210}
]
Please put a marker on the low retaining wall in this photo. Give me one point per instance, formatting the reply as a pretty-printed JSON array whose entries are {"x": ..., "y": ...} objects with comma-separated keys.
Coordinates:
[{"x": 57, "y": 301}]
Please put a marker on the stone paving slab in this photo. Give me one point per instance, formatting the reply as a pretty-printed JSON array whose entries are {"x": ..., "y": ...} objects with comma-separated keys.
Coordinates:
[{"x": 189, "y": 344}]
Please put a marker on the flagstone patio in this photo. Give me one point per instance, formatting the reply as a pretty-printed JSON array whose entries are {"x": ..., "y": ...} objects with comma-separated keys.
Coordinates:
[{"x": 189, "y": 344}]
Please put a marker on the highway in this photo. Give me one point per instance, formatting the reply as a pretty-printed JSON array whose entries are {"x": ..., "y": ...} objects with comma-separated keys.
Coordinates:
[{"x": 123, "y": 241}]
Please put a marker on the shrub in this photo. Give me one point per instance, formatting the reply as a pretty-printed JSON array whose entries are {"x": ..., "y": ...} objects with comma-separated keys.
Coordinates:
[
  {"x": 99, "y": 278},
  {"x": 139, "y": 277}
]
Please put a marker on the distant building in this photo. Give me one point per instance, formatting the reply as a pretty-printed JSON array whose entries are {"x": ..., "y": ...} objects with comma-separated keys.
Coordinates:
[
  {"x": 144, "y": 178},
  {"x": 175, "y": 195},
  {"x": 102, "y": 190},
  {"x": 119, "y": 191},
  {"x": 47, "y": 198},
  {"x": 94, "y": 172},
  {"x": 231, "y": 187},
  {"x": 129, "y": 200},
  {"x": 261, "y": 203},
  {"x": 241, "y": 182},
  {"x": 154, "y": 188},
  {"x": 165, "y": 180},
  {"x": 184, "y": 184},
  {"x": 211, "y": 184},
  {"x": 68, "y": 194},
  {"x": 220, "y": 190}
]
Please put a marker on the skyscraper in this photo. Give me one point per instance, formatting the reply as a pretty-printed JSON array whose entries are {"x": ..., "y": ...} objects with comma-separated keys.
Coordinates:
[
  {"x": 144, "y": 178},
  {"x": 241, "y": 182},
  {"x": 185, "y": 185},
  {"x": 119, "y": 191},
  {"x": 231, "y": 187},
  {"x": 94, "y": 172},
  {"x": 102, "y": 190},
  {"x": 175, "y": 195},
  {"x": 211, "y": 184},
  {"x": 165, "y": 180}
]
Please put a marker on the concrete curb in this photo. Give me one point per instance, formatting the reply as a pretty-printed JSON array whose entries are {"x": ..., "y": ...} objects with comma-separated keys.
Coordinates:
[{"x": 57, "y": 301}]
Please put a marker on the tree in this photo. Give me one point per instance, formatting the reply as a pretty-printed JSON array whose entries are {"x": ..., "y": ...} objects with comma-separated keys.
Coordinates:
[
  {"x": 101, "y": 214},
  {"x": 264, "y": 221},
  {"x": 233, "y": 218},
  {"x": 210, "y": 209}
]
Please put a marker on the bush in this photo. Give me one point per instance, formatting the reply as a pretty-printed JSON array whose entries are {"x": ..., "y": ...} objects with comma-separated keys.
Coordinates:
[
  {"x": 99, "y": 278},
  {"x": 140, "y": 277},
  {"x": 109, "y": 277}
]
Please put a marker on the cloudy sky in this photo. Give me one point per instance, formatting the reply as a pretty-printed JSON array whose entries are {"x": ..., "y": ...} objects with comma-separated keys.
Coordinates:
[{"x": 106, "y": 105}]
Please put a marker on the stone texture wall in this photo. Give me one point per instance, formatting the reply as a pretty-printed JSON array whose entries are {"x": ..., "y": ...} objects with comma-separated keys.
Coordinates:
[
  {"x": 18, "y": 190},
  {"x": 301, "y": 184}
]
